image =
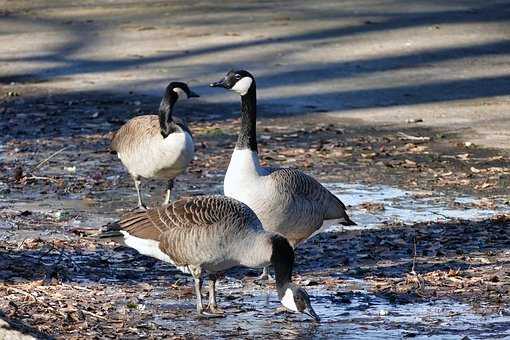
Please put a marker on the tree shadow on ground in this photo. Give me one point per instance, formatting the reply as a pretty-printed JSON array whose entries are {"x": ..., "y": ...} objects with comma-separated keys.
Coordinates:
[
  {"x": 390, "y": 251},
  {"x": 83, "y": 35},
  {"x": 14, "y": 327},
  {"x": 387, "y": 252}
]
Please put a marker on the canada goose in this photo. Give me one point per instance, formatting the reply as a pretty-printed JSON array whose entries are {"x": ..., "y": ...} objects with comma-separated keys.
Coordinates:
[
  {"x": 156, "y": 146},
  {"x": 212, "y": 234},
  {"x": 287, "y": 201}
]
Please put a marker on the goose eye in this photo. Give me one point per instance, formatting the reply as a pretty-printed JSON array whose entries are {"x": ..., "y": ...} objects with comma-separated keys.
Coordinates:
[{"x": 238, "y": 76}]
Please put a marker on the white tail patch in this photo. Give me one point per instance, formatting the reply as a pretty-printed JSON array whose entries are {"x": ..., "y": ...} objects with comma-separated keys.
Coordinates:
[
  {"x": 145, "y": 247},
  {"x": 288, "y": 300},
  {"x": 242, "y": 86},
  {"x": 325, "y": 225}
]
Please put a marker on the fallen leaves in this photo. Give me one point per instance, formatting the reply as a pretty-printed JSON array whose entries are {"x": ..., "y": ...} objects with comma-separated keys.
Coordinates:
[{"x": 372, "y": 207}]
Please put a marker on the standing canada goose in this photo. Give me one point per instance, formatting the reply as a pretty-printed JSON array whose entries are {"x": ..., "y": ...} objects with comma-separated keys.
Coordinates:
[
  {"x": 156, "y": 146},
  {"x": 212, "y": 234},
  {"x": 287, "y": 201}
]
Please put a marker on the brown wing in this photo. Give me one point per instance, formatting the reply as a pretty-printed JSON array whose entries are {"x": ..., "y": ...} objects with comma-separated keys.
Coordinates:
[
  {"x": 308, "y": 194},
  {"x": 130, "y": 135},
  {"x": 192, "y": 230},
  {"x": 185, "y": 215},
  {"x": 143, "y": 224},
  {"x": 298, "y": 184}
]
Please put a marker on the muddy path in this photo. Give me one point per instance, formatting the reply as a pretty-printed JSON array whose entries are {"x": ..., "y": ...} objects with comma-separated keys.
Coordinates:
[{"x": 429, "y": 257}]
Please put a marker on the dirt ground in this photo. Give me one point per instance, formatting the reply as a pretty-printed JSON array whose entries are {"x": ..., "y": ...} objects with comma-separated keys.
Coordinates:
[{"x": 411, "y": 95}]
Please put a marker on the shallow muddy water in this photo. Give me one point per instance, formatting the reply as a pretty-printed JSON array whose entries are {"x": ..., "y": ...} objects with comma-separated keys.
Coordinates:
[
  {"x": 397, "y": 206},
  {"x": 392, "y": 206},
  {"x": 349, "y": 313},
  {"x": 348, "y": 310}
]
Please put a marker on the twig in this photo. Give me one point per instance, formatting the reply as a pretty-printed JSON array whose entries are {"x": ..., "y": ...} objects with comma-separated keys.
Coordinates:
[
  {"x": 93, "y": 314},
  {"x": 50, "y": 157},
  {"x": 405, "y": 136},
  {"x": 16, "y": 290},
  {"x": 439, "y": 214},
  {"x": 82, "y": 288},
  {"x": 42, "y": 177},
  {"x": 21, "y": 244},
  {"x": 51, "y": 248},
  {"x": 414, "y": 258}
]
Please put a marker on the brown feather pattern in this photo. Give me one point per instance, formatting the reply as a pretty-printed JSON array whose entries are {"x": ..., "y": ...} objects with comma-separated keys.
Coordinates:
[
  {"x": 195, "y": 230},
  {"x": 134, "y": 133}
]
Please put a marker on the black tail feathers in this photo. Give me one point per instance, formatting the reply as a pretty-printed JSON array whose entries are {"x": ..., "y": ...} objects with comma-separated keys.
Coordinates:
[
  {"x": 347, "y": 221},
  {"x": 111, "y": 230}
]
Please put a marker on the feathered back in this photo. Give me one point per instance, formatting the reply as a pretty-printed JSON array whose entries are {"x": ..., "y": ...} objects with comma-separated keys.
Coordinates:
[
  {"x": 133, "y": 134},
  {"x": 193, "y": 229}
]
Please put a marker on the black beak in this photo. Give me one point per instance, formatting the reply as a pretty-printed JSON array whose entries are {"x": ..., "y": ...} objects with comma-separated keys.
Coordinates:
[
  {"x": 193, "y": 94},
  {"x": 312, "y": 313},
  {"x": 220, "y": 83}
]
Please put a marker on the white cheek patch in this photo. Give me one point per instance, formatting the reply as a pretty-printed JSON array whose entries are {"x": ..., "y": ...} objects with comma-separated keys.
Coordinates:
[
  {"x": 180, "y": 92},
  {"x": 288, "y": 300},
  {"x": 242, "y": 86}
]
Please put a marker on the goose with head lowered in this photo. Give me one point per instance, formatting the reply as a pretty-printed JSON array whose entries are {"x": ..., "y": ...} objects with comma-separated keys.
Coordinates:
[
  {"x": 287, "y": 201},
  {"x": 156, "y": 146},
  {"x": 210, "y": 234}
]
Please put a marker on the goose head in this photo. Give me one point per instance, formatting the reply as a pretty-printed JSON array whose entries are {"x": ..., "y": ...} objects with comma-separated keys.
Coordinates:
[
  {"x": 296, "y": 299},
  {"x": 181, "y": 90},
  {"x": 238, "y": 81},
  {"x": 174, "y": 91}
]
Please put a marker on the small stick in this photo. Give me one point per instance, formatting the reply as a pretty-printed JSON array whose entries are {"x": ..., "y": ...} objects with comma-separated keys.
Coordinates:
[
  {"x": 82, "y": 288},
  {"x": 414, "y": 258},
  {"x": 50, "y": 157},
  {"x": 16, "y": 290},
  {"x": 43, "y": 178},
  {"x": 21, "y": 244},
  {"x": 94, "y": 315},
  {"x": 439, "y": 214},
  {"x": 405, "y": 136}
]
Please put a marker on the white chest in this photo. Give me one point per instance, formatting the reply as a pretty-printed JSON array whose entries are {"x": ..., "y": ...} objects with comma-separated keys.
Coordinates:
[
  {"x": 177, "y": 144},
  {"x": 243, "y": 178}
]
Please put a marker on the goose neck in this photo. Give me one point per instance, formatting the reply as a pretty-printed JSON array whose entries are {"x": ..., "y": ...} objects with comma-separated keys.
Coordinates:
[
  {"x": 166, "y": 122},
  {"x": 248, "y": 135},
  {"x": 282, "y": 260}
]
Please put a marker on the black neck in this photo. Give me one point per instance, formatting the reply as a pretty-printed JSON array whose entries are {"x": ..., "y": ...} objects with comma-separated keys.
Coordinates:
[
  {"x": 166, "y": 122},
  {"x": 282, "y": 260},
  {"x": 248, "y": 135}
]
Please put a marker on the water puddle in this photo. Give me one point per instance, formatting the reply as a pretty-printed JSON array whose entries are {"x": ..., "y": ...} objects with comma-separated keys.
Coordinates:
[
  {"x": 350, "y": 311},
  {"x": 395, "y": 206},
  {"x": 349, "y": 314}
]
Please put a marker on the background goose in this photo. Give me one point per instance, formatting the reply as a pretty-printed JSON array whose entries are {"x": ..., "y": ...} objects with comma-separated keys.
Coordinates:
[
  {"x": 156, "y": 146},
  {"x": 211, "y": 234},
  {"x": 287, "y": 201}
]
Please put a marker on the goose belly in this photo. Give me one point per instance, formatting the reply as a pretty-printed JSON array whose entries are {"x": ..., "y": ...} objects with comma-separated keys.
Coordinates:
[
  {"x": 297, "y": 223},
  {"x": 219, "y": 266},
  {"x": 159, "y": 157},
  {"x": 251, "y": 248}
]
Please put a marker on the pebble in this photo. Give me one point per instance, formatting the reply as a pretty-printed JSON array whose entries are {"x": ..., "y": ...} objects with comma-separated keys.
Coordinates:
[{"x": 384, "y": 312}]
